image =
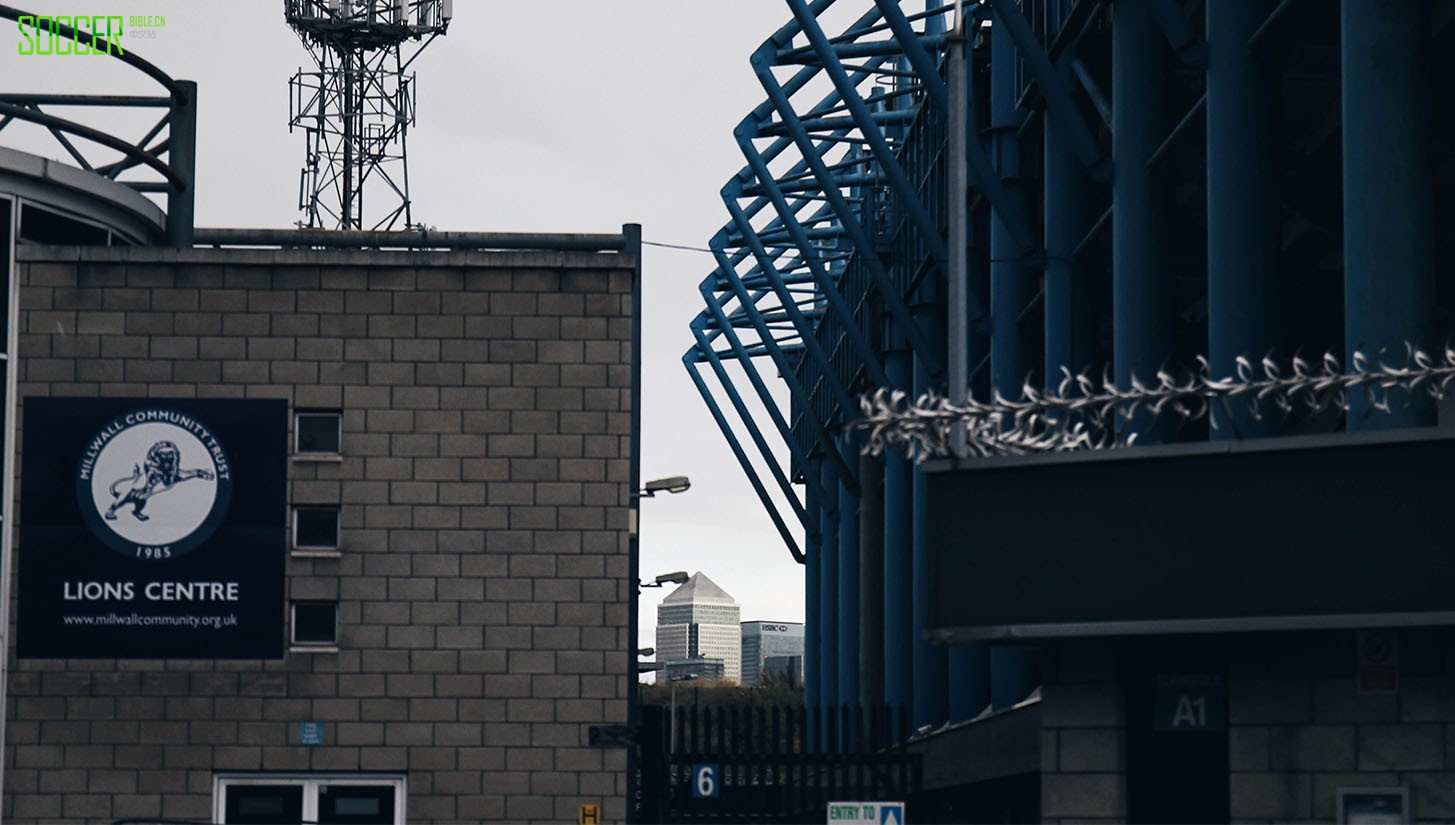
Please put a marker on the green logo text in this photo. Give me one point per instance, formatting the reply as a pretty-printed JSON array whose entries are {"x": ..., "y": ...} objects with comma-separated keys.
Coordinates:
[{"x": 84, "y": 35}]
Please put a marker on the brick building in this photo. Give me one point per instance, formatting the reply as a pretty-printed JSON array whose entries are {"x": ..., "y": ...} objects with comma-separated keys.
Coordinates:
[{"x": 459, "y": 468}]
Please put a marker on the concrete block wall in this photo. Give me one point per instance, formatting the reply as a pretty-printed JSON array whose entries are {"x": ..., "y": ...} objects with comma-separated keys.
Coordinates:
[
  {"x": 1299, "y": 729},
  {"x": 1083, "y": 733},
  {"x": 483, "y": 579}
]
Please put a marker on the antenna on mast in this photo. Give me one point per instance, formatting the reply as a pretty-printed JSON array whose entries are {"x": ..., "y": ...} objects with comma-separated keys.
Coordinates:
[{"x": 357, "y": 107}]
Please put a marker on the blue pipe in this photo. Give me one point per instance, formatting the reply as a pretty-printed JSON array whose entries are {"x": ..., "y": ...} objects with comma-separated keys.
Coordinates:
[
  {"x": 982, "y": 171},
  {"x": 886, "y": 156},
  {"x": 1244, "y": 220},
  {"x": 841, "y": 465},
  {"x": 813, "y": 683},
  {"x": 828, "y": 595},
  {"x": 899, "y": 637},
  {"x": 689, "y": 362},
  {"x": 827, "y": 288},
  {"x": 1070, "y": 313},
  {"x": 1012, "y": 30},
  {"x": 1014, "y": 355},
  {"x": 745, "y": 361},
  {"x": 1013, "y": 286},
  {"x": 849, "y": 551},
  {"x": 1143, "y": 310},
  {"x": 1389, "y": 228},
  {"x": 789, "y": 301},
  {"x": 931, "y": 662},
  {"x": 848, "y": 216}
]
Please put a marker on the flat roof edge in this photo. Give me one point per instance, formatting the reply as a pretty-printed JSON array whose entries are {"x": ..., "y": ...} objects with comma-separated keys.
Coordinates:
[{"x": 520, "y": 259}]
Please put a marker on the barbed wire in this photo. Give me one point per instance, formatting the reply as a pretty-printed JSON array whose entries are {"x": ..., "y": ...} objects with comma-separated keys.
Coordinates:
[{"x": 1081, "y": 414}]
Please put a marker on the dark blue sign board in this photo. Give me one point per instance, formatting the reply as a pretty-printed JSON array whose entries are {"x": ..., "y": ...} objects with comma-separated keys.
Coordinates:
[
  {"x": 310, "y": 733},
  {"x": 705, "y": 782},
  {"x": 152, "y": 528},
  {"x": 1291, "y": 533}
]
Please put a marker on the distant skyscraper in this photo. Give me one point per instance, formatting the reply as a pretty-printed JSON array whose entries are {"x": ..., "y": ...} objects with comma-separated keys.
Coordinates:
[
  {"x": 765, "y": 640},
  {"x": 699, "y": 620}
]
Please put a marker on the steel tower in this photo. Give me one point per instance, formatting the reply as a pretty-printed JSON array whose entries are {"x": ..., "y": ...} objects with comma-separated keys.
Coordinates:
[{"x": 357, "y": 107}]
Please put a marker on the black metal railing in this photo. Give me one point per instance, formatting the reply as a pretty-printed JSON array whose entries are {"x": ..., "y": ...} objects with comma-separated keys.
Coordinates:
[{"x": 761, "y": 764}]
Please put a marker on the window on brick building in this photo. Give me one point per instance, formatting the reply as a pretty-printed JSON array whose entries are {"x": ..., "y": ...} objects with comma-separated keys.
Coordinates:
[
  {"x": 316, "y": 529},
  {"x": 350, "y": 799},
  {"x": 315, "y": 624},
  {"x": 317, "y": 432}
]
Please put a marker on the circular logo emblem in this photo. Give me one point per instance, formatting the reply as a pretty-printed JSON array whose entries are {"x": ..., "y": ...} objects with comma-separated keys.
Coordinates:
[{"x": 153, "y": 483}]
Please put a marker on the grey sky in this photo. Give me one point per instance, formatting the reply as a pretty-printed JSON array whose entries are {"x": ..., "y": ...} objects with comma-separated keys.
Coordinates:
[{"x": 569, "y": 116}]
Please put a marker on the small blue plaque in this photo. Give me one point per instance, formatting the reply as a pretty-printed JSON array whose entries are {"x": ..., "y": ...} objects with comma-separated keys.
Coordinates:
[{"x": 310, "y": 733}]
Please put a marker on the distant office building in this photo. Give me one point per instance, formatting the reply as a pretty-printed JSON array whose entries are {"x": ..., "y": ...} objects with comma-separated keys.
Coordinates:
[
  {"x": 762, "y": 640},
  {"x": 702, "y": 668},
  {"x": 699, "y": 620},
  {"x": 784, "y": 668}
]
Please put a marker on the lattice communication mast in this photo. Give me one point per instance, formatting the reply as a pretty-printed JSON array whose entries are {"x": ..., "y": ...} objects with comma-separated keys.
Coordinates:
[{"x": 356, "y": 109}]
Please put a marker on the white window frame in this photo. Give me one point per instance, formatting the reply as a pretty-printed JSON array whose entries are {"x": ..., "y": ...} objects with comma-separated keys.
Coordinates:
[
  {"x": 316, "y": 455},
  {"x": 332, "y": 551},
  {"x": 312, "y": 783},
  {"x": 295, "y": 646}
]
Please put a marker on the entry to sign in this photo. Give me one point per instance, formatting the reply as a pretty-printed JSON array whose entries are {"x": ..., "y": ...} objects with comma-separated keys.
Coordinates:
[
  {"x": 868, "y": 813},
  {"x": 1189, "y": 703}
]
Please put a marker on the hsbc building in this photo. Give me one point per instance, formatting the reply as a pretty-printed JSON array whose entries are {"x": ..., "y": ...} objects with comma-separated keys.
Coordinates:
[{"x": 770, "y": 640}]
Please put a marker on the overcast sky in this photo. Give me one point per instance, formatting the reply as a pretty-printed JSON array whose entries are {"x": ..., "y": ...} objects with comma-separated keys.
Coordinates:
[{"x": 567, "y": 116}]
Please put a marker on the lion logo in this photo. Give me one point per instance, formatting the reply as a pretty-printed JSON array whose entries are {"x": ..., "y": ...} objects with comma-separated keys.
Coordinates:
[
  {"x": 153, "y": 483},
  {"x": 160, "y": 473}
]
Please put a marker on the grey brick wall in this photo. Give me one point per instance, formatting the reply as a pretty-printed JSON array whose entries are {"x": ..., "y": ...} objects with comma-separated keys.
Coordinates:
[
  {"x": 1083, "y": 747},
  {"x": 1298, "y": 727},
  {"x": 484, "y": 492}
]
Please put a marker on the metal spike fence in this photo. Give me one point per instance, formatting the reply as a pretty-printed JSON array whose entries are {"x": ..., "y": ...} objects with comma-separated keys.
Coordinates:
[
  {"x": 776, "y": 764},
  {"x": 1081, "y": 414}
]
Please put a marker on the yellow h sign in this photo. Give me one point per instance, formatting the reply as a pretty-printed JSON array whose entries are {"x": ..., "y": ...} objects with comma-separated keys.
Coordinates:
[{"x": 590, "y": 814}]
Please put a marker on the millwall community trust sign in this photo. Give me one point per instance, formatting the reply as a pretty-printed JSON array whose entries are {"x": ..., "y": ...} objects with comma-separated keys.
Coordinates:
[
  {"x": 153, "y": 484},
  {"x": 152, "y": 528}
]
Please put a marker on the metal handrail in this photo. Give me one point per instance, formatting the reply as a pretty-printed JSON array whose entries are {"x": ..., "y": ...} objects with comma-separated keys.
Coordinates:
[{"x": 179, "y": 170}]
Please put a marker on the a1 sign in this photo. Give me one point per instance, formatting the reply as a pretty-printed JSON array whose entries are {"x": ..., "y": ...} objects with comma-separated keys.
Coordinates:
[
  {"x": 704, "y": 781},
  {"x": 1189, "y": 703}
]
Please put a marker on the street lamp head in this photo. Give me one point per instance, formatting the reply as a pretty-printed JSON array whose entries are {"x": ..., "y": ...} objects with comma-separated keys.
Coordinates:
[
  {"x": 674, "y": 484},
  {"x": 666, "y": 578}
]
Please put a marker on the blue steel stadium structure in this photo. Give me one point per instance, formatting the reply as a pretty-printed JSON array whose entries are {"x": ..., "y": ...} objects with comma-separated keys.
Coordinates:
[{"x": 978, "y": 202}]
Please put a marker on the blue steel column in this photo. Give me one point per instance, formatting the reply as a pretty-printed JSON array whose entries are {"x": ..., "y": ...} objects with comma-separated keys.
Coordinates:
[
  {"x": 1143, "y": 312},
  {"x": 813, "y": 686},
  {"x": 931, "y": 662},
  {"x": 899, "y": 637},
  {"x": 1070, "y": 314},
  {"x": 1244, "y": 278},
  {"x": 1013, "y": 352},
  {"x": 1012, "y": 284},
  {"x": 828, "y": 596},
  {"x": 848, "y": 687},
  {"x": 1389, "y": 230}
]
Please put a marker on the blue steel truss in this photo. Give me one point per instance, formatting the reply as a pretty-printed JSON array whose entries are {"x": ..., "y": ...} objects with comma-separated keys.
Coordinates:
[{"x": 972, "y": 201}]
